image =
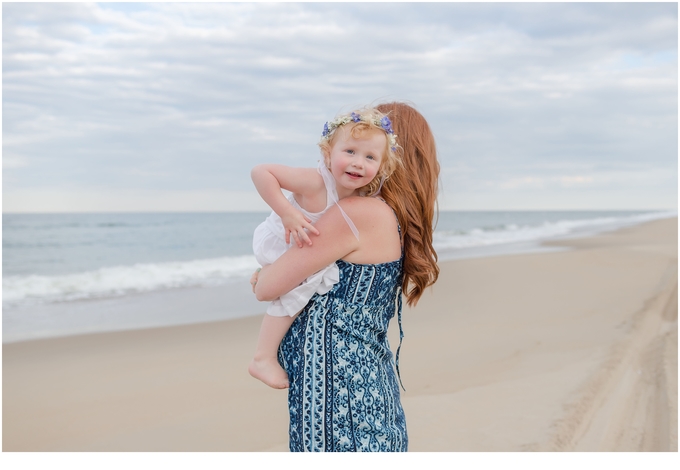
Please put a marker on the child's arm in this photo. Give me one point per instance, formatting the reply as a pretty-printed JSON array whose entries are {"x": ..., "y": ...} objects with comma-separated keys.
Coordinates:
[{"x": 270, "y": 179}]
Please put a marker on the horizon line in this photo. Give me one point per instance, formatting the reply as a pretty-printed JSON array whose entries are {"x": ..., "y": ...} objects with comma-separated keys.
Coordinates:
[{"x": 268, "y": 211}]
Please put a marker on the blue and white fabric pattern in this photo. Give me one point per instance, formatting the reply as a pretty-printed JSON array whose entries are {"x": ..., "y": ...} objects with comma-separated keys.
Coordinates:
[{"x": 344, "y": 392}]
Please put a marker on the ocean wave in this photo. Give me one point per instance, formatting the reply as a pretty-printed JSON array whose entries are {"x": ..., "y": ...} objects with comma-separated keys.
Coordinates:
[
  {"x": 513, "y": 233},
  {"x": 122, "y": 280},
  {"x": 24, "y": 290}
]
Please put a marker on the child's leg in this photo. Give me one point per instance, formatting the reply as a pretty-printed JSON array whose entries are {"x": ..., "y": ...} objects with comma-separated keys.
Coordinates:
[{"x": 265, "y": 365}]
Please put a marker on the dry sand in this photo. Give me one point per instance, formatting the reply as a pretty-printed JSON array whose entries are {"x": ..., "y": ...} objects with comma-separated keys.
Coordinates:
[{"x": 563, "y": 351}]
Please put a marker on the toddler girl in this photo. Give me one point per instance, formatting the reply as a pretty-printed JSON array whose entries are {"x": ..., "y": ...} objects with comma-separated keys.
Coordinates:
[{"x": 359, "y": 153}]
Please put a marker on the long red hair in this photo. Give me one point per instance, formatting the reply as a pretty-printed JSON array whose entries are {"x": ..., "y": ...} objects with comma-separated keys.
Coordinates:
[{"x": 412, "y": 192}]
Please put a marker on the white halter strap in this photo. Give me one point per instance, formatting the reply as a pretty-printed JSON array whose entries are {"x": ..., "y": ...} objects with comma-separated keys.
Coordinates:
[{"x": 332, "y": 192}]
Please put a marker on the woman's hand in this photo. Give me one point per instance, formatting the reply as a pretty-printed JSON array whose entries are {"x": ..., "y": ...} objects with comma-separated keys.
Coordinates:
[{"x": 295, "y": 223}]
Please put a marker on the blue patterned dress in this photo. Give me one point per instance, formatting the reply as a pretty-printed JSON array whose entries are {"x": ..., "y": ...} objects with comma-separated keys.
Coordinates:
[{"x": 344, "y": 393}]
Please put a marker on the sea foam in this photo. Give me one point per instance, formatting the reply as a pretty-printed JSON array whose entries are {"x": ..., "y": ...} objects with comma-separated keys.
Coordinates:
[
  {"x": 515, "y": 233},
  {"x": 122, "y": 280},
  {"x": 483, "y": 230}
]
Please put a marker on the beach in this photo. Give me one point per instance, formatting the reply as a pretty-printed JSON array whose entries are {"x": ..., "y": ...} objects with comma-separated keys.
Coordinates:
[{"x": 570, "y": 350}]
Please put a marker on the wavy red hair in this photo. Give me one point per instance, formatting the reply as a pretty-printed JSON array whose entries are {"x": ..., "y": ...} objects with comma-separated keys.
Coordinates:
[{"x": 411, "y": 191}]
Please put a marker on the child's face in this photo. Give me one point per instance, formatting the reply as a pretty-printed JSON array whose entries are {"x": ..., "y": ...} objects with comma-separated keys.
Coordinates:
[{"x": 355, "y": 161}]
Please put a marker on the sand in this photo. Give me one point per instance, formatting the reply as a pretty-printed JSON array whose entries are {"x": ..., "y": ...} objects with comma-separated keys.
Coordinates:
[{"x": 565, "y": 351}]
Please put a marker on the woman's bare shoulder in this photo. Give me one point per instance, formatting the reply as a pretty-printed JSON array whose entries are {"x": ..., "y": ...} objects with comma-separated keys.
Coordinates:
[
  {"x": 377, "y": 226},
  {"x": 366, "y": 207}
]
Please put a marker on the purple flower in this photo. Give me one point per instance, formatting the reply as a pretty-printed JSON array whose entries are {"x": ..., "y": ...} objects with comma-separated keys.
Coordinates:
[
  {"x": 355, "y": 117},
  {"x": 325, "y": 130},
  {"x": 386, "y": 124}
]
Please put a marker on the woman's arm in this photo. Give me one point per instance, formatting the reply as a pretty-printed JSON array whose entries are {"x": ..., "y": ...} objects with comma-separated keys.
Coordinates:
[
  {"x": 379, "y": 242},
  {"x": 296, "y": 265}
]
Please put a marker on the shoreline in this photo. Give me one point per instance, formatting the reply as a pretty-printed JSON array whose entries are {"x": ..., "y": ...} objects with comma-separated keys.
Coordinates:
[
  {"x": 564, "y": 351},
  {"x": 140, "y": 311},
  {"x": 170, "y": 307}
]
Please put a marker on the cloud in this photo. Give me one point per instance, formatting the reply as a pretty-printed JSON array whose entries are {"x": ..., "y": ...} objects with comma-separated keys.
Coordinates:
[
  {"x": 10, "y": 161},
  {"x": 100, "y": 199},
  {"x": 188, "y": 97}
]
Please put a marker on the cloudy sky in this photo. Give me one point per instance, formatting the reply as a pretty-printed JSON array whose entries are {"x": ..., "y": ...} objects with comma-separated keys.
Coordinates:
[{"x": 167, "y": 106}]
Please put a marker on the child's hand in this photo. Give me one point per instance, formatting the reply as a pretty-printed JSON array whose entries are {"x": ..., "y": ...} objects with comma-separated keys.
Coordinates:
[
  {"x": 295, "y": 224},
  {"x": 254, "y": 277}
]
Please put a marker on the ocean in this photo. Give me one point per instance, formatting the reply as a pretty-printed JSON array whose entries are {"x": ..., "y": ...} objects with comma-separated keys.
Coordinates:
[{"x": 81, "y": 273}]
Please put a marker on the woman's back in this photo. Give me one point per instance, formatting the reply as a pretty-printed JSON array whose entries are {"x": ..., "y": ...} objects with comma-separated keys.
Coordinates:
[{"x": 379, "y": 236}]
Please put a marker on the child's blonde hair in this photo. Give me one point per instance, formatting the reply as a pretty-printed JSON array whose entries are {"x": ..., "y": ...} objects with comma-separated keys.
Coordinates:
[{"x": 356, "y": 123}]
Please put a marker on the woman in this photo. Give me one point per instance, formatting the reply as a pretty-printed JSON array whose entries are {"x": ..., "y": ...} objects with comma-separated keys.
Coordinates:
[{"x": 344, "y": 393}]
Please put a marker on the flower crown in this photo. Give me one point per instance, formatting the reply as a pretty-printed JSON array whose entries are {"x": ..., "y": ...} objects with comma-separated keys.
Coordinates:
[{"x": 384, "y": 123}]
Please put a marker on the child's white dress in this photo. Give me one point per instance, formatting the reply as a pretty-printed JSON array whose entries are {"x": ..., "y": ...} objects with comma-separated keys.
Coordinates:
[{"x": 269, "y": 243}]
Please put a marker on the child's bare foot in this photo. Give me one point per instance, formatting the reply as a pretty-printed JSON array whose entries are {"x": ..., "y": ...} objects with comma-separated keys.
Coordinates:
[{"x": 269, "y": 371}]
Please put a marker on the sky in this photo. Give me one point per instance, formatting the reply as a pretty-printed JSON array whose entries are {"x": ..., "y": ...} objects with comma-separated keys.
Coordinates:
[{"x": 167, "y": 106}]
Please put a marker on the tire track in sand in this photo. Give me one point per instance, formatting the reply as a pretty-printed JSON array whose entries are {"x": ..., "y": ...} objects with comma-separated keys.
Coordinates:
[{"x": 630, "y": 403}]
